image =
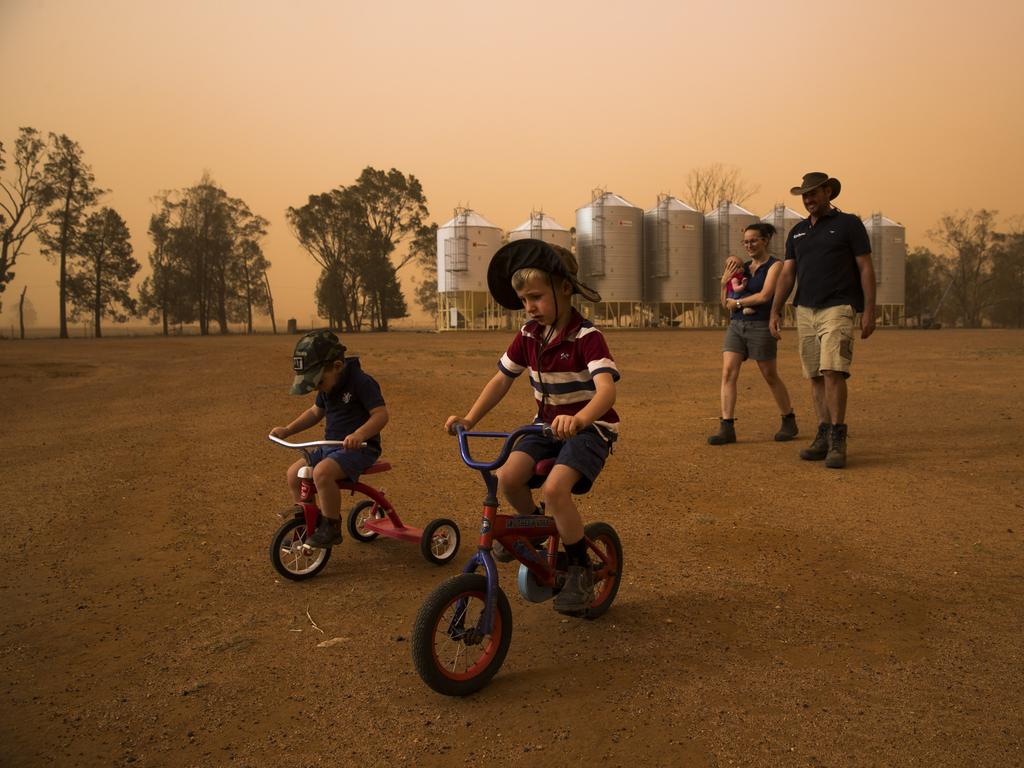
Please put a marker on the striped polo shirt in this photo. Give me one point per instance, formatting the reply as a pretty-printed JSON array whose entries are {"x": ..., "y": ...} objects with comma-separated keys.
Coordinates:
[{"x": 567, "y": 367}]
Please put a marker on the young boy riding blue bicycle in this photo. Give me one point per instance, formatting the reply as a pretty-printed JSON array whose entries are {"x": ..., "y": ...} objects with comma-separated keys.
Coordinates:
[{"x": 573, "y": 377}]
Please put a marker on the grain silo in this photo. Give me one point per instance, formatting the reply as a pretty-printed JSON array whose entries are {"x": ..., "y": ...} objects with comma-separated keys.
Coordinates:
[
  {"x": 540, "y": 226},
  {"x": 783, "y": 219},
  {"x": 889, "y": 257},
  {"x": 723, "y": 237},
  {"x": 673, "y": 263},
  {"x": 609, "y": 243},
  {"x": 465, "y": 246}
]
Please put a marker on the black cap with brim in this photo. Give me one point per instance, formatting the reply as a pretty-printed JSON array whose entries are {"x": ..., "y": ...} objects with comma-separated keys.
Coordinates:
[
  {"x": 529, "y": 252},
  {"x": 307, "y": 381}
]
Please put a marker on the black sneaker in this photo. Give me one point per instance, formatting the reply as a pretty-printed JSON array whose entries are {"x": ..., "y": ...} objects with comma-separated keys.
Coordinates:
[
  {"x": 578, "y": 592},
  {"x": 837, "y": 447},
  {"x": 726, "y": 433},
  {"x": 788, "y": 430},
  {"x": 818, "y": 449},
  {"x": 328, "y": 534}
]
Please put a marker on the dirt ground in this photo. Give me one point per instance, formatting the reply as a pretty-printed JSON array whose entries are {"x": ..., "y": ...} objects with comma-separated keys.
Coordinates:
[{"x": 772, "y": 612}]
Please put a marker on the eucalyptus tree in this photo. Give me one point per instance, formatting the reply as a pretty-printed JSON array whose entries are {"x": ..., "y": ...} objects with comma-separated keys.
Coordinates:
[
  {"x": 24, "y": 197},
  {"x": 101, "y": 270},
  {"x": 73, "y": 191}
]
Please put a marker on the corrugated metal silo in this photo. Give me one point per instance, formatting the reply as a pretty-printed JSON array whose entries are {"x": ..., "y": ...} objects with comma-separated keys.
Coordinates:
[
  {"x": 889, "y": 257},
  {"x": 723, "y": 237},
  {"x": 540, "y": 226},
  {"x": 609, "y": 242},
  {"x": 783, "y": 219},
  {"x": 465, "y": 246},
  {"x": 673, "y": 252}
]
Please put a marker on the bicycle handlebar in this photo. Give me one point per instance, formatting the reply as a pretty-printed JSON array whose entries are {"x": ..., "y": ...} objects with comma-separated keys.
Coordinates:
[
  {"x": 310, "y": 444},
  {"x": 509, "y": 438}
]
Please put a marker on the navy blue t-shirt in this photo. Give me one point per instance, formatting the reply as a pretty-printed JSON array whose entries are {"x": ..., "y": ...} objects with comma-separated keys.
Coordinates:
[
  {"x": 827, "y": 274},
  {"x": 347, "y": 406},
  {"x": 755, "y": 284}
]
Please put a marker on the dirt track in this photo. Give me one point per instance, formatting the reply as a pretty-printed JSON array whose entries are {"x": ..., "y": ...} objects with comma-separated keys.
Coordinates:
[{"x": 771, "y": 613}]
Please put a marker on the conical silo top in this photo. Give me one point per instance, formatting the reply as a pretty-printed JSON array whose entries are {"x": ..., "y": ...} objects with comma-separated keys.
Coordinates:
[
  {"x": 470, "y": 219},
  {"x": 788, "y": 214},
  {"x": 610, "y": 198},
  {"x": 546, "y": 223},
  {"x": 730, "y": 209},
  {"x": 883, "y": 220},
  {"x": 674, "y": 204}
]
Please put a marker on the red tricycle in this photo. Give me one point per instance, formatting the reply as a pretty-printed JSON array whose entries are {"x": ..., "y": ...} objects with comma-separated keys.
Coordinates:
[
  {"x": 463, "y": 629},
  {"x": 372, "y": 517}
]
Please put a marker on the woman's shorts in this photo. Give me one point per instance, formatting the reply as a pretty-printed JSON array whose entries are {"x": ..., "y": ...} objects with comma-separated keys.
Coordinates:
[
  {"x": 586, "y": 452},
  {"x": 352, "y": 463},
  {"x": 750, "y": 338}
]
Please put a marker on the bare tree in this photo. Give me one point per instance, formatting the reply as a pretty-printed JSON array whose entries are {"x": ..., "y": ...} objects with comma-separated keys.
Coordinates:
[
  {"x": 710, "y": 185},
  {"x": 23, "y": 199}
]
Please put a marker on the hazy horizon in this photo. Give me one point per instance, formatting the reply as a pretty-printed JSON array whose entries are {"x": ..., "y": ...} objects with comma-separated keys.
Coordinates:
[{"x": 507, "y": 109}]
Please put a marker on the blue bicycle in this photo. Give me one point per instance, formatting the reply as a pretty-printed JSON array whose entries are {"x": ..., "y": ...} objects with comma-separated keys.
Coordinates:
[{"x": 463, "y": 630}]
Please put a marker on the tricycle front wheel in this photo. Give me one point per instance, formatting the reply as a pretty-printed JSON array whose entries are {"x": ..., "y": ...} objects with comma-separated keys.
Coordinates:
[{"x": 289, "y": 555}]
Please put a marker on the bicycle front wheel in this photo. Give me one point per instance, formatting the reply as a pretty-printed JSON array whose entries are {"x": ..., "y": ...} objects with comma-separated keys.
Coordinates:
[{"x": 449, "y": 651}]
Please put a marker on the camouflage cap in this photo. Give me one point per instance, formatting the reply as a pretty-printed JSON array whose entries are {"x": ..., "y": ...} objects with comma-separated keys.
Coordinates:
[{"x": 312, "y": 353}]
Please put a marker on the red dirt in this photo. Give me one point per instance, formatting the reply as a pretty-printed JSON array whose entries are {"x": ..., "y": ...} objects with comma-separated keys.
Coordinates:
[{"x": 772, "y": 612}]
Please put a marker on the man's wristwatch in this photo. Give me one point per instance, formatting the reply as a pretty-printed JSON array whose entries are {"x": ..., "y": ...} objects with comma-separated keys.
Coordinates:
[{"x": 739, "y": 304}]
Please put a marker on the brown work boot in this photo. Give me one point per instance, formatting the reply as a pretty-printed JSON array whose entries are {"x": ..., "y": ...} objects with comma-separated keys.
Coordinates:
[
  {"x": 818, "y": 449},
  {"x": 726, "y": 433},
  {"x": 837, "y": 447},
  {"x": 788, "y": 429}
]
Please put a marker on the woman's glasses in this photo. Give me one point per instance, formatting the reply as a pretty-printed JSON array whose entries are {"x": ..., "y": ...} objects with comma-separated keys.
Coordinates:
[{"x": 752, "y": 243}]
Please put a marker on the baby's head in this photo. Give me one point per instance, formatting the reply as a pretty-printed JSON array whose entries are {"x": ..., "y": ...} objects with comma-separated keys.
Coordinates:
[{"x": 317, "y": 361}]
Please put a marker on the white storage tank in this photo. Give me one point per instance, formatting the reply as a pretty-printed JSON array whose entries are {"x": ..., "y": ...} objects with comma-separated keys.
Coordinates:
[
  {"x": 673, "y": 252},
  {"x": 540, "y": 226},
  {"x": 889, "y": 257},
  {"x": 465, "y": 246},
  {"x": 609, "y": 244},
  {"x": 723, "y": 237},
  {"x": 783, "y": 219}
]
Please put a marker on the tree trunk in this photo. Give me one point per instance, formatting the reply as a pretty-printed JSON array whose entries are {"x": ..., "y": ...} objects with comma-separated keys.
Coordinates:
[
  {"x": 270, "y": 302},
  {"x": 21, "y": 313},
  {"x": 65, "y": 235},
  {"x": 97, "y": 306}
]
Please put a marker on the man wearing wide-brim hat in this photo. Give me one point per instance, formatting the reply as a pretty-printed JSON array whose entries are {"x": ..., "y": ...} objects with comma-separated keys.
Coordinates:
[{"x": 828, "y": 254}]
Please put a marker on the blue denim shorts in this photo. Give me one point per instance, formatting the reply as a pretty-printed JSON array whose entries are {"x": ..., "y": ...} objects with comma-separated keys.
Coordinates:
[
  {"x": 352, "y": 463},
  {"x": 586, "y": 452}
]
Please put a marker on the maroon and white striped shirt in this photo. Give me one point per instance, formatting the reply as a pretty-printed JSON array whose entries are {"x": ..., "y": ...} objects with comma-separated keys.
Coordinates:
[{"x": 567, "y": 367}]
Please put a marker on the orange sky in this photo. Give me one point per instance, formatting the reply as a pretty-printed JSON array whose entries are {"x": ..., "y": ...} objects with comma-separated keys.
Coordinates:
[{"x": 509, "y": 106}]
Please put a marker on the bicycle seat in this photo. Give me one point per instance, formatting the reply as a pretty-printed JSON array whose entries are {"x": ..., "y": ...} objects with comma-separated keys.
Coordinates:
[
  {"x": 543, "y": 468},
  {"x": 380, "y": 466}
]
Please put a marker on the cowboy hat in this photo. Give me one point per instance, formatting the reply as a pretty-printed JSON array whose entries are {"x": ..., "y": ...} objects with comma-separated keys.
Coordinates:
[
  {"x": 814, "y": 180},
  {"x": 529, "y": 252}
]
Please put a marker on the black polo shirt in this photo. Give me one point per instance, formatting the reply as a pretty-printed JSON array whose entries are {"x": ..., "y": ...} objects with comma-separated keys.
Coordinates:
[{"x": 826, "y": 264}]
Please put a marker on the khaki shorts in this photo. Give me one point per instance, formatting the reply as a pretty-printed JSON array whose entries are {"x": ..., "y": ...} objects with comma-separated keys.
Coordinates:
[{"x": 826, "y": 339}]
